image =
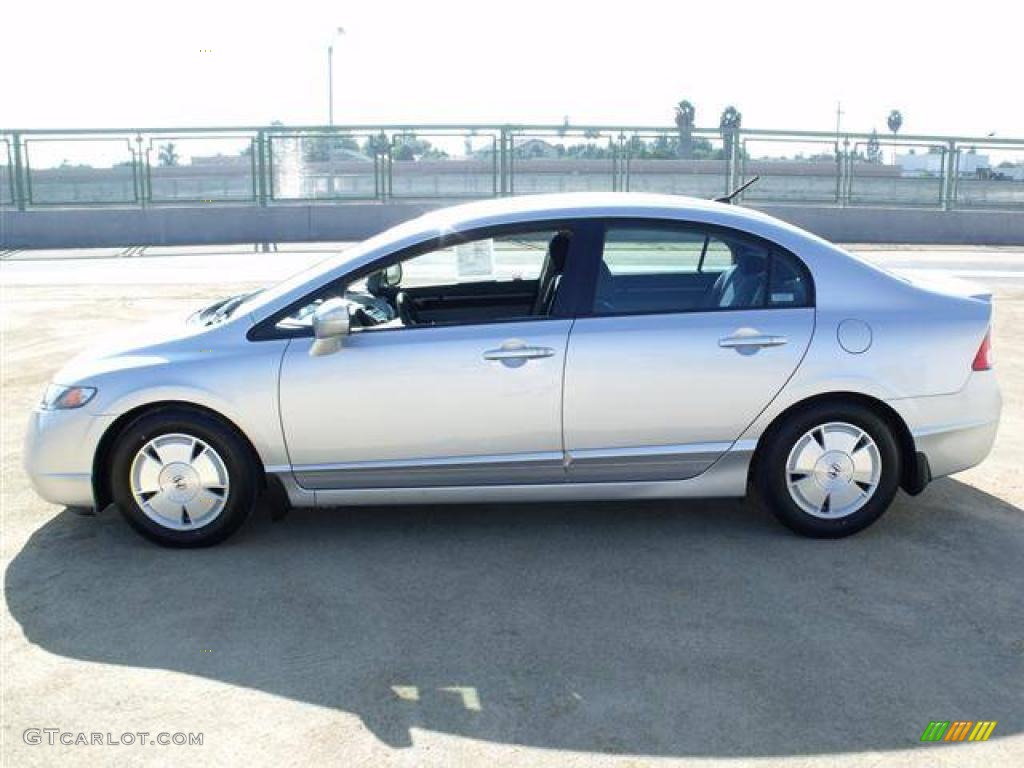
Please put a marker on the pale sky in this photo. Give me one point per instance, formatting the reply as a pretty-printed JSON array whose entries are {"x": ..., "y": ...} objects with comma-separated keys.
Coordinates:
[{"x": 951, "y": 68}]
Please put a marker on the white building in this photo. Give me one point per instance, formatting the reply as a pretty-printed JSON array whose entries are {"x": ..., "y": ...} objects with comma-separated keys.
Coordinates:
[{"x": 928, "y": 164}]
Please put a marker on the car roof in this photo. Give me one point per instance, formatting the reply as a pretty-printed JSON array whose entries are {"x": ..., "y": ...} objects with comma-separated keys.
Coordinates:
[
  {"x": 590, "y": 204},
  {"x": 525, "y": 208}
]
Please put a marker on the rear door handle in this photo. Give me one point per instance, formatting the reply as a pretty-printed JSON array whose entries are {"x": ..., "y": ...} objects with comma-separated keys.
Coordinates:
[
  {"x": 518, "y": 353},
  {"x": 752, "y": 340}
]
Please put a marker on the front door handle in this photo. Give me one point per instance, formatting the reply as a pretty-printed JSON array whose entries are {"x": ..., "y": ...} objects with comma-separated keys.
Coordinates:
[
  {"x": 518, "y": 353},
  {"x": 752, "y": 340}
]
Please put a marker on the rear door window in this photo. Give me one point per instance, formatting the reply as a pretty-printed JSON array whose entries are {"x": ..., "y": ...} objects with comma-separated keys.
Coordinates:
[{"x": 672, "y": 268}]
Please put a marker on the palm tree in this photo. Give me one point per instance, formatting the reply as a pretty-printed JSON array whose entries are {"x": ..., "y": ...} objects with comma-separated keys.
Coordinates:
[
  {"x": 731, "y": 119},
  {"x": 685, "y": 116},
  {"x": 729, "y": 124},
  {"x": 168, "y": 155},
  {"x": 895, "y": 122},
  {"x": 874, "y": 148}
]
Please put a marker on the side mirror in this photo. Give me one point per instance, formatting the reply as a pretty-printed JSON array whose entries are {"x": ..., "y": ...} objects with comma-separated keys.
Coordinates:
[{"x": 331, "y": 324}]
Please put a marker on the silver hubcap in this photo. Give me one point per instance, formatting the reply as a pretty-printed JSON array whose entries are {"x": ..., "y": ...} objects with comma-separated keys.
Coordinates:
[
  {"x": 179, "y": 482},
  {"x": 833, "y": 470}
]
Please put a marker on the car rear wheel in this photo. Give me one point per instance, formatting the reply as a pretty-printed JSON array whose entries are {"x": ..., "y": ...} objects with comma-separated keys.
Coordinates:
[
  {"x": 829, "y": 471},
  {"x": 182, "y": 478}
]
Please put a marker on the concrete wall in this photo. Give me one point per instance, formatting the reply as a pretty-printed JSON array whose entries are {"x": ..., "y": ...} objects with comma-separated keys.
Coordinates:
[
  {"x": 905, "y": 225},
  {"x": 213, "y": 224},
  {"x": 197, "y": 225}
]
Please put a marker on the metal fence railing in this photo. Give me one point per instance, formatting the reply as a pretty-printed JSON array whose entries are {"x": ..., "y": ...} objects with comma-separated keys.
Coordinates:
[{"x": 281, "y": 165}]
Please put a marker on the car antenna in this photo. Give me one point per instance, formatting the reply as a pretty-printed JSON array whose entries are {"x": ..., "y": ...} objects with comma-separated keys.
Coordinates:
[{"x": 729, "y": 198}]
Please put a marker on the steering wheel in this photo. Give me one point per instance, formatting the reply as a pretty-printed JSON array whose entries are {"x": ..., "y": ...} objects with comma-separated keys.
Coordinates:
[
  {"x": 362, "y": 317},
  {"x": 406, "y": 311}
]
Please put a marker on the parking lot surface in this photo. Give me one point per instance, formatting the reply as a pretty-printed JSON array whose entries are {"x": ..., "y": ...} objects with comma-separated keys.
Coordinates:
[{"x": 672, "y": 632}]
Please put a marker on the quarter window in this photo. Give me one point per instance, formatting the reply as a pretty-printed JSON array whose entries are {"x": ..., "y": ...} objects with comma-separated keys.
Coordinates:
[{"x": 789, "y": 285}]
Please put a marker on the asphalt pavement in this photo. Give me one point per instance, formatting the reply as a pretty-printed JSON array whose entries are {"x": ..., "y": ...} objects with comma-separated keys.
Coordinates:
[{"x": 695, "y": 633}]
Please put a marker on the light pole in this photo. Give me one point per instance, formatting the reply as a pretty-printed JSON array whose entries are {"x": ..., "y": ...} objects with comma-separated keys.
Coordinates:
[
  {"x": 839, "y": 122},
  {"x": 330, "y": 75}
]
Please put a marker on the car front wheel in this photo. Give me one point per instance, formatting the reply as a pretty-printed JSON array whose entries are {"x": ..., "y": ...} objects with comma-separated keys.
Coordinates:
[
  {"x": 829, "y": 471},
  {"x": 182, "y": 478}
]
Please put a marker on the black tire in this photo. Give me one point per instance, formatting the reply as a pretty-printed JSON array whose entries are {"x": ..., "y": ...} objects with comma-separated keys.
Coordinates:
[
  {"x": 770, "y": 476},
  {"x": 236, "y": 457}
]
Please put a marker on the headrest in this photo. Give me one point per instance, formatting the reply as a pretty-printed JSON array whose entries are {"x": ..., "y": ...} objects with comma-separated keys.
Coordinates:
[
  {"x": 748, "y": 259},
  {"x": 558, "y": 250},
  {"x": 375, "y": 283}
]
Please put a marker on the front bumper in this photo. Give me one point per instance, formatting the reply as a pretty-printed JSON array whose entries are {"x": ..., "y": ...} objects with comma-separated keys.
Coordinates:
[
  {"x": 59, "y": 451},
  {"x": 955, "y": 432}
]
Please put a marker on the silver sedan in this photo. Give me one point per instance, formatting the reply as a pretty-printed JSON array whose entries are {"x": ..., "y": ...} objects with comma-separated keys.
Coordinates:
[{"x": 556, "y": 347}]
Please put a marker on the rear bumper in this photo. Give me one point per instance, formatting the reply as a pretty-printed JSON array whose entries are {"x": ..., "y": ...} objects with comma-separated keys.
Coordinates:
[
  {"x": 955, "y": 450},
  {"x": 954, "y": 432}
]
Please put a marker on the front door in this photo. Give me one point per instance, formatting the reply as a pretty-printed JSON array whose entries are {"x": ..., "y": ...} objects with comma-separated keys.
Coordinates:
[{"x": 470, "y": 395}]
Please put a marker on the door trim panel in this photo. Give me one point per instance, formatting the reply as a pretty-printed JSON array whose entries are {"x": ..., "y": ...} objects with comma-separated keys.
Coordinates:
[
  {"x": 644, "y": 463},
  {"x": 501, "y": 469},
  {"x": 726, "y": 478},
  {"x": 613, "y": 465}
]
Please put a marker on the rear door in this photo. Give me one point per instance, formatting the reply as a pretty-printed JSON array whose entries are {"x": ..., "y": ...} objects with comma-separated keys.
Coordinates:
[{"x": 692, "y": 330}]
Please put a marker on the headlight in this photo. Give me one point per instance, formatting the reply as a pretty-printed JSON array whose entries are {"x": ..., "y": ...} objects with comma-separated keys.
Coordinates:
[{"x": 58, "y": 398}]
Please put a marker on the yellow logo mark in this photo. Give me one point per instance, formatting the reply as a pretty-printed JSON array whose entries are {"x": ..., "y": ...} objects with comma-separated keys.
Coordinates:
[{"x": 982, "y": 730}]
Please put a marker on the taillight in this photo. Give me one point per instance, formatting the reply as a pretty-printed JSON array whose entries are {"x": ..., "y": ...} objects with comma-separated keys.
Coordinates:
[{"x": 983, "y": 360}]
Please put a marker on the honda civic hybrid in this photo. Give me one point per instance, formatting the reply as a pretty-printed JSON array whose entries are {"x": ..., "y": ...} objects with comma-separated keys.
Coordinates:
[{"x": 534, "y": 349}]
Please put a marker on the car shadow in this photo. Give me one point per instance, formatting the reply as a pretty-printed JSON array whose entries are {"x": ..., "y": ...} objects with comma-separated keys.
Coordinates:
[{"x": 653, "y": 628}]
